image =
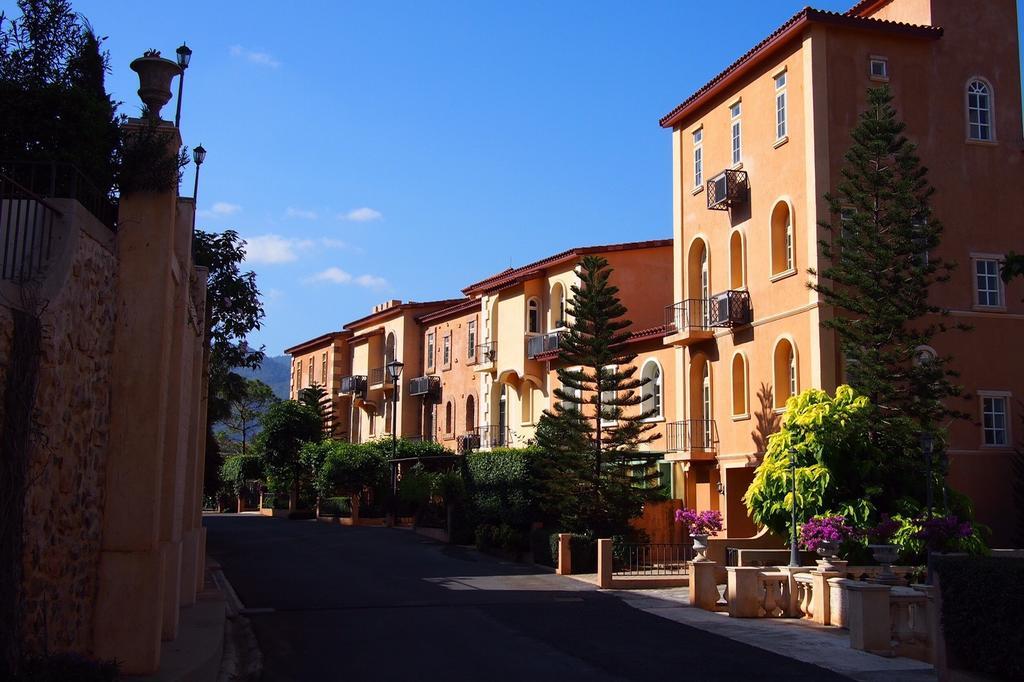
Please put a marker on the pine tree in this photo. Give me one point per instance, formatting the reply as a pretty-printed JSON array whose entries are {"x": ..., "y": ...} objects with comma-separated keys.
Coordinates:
[
  {"x": 592, "y": 434},
  {"x": 317, "y": 397},
  {"x": 881, "y": 266}
]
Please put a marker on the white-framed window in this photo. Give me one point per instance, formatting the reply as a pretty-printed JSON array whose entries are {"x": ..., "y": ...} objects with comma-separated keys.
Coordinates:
[
  {"x": 471, "y": 339},
  {"x": 698, "y": 157},
  {"x": 737, "y": 133},
  {"x": 430, "y": 350},
  {"x": 607, "y": 397},
  {"x": 781, "y": 124},
  {"x": 878, "y": 68},
  {"x": 979, "y": 111},
  {"x": 652, "y": 390},
  {"x": 995, "y": 423},
  {"x": 533, "y": 316},
  {"x": 446, "y": 350},
  {"x": 575, "y": 392},
  {"x": 988, "y": 287}
]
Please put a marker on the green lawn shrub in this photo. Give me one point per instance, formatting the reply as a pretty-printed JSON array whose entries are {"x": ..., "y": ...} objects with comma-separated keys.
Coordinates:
[{"x": 336, "y": 506}]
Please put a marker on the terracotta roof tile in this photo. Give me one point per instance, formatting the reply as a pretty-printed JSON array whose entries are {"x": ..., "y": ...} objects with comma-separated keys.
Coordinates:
[{"x": 782, "y": 34}]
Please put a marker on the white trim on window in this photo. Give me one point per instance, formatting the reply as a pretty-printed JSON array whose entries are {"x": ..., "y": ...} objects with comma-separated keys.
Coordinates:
[
  {"x": 988, "y": 289},
  {"x": 979, "y": 102},
  {"x": 781, "y": 101},
  {"x": 656, "y": 399},
  {"x": 698, "y": 157},
  {"x": 878, "y": 68},
  {"x": 736, "y": 132},
  {"x": 995, "y": 419}
]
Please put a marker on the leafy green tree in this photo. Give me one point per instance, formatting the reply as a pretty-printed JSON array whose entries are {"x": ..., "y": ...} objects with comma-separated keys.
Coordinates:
[
  {"x": 243, "y": 419},
  {"x": 233, "y": 311},
  {"x": 881, "y": 265},
  {"x": 1013, "y": 266},
  {"x": 237, "y": 472},
  {"x": 839, "y": 469},
  {"x": 286, "y": 427},
  {"x": 317, "y": 397},
  {"x": 597, "y": 424}
]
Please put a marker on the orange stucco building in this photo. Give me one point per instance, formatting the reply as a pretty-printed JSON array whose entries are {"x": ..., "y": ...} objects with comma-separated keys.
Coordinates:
[
  {"x": 764, "y": 141},
  {"x": 323, "y": 361}
]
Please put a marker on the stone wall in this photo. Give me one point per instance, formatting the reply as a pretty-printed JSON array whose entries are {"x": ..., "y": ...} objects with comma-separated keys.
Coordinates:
[{"x": 66, "y": 473}]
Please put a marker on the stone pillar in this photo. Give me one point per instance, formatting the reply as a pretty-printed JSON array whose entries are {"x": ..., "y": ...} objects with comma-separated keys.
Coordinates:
[
  {"x": 744, "y": 591},
  {"x": 564, "y": 554},
  {"x": 839, "y": 601},
  {"x": 793, "y": 607},
  {"x": 128, "y": 616},
  {"x": 821, "y": 595},
  {"x": 868, "y": 618},
  {"x": 604, "y": 563},
  {"x": 704, "y": 585}
]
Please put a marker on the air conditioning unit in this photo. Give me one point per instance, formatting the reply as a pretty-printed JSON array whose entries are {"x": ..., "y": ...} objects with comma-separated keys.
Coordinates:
[
  {"x": 727, "y": 189},
  {"x": 424, "y": 386},
  {"x": 729, "y": 309}
]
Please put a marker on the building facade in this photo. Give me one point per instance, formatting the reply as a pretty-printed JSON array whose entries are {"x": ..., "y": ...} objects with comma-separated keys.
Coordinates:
[
  {"x": 763, "y": 142},
  {"x": 322, "y": 362}
]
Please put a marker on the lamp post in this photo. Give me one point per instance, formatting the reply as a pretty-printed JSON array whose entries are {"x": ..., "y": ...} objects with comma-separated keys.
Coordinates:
[
  {"x": 198, "y": 156},
  {"x": 794, "y": 553},
  {"x": 184, "y": 56},
  {"x": 927, "y": 446},
  {"x": 394, "y": 370}
]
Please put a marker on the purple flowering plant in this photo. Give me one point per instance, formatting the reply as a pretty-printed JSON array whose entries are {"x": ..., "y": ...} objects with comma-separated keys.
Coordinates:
[
  {"x": 821, "y": 529},
  {"x": 885, "y": 530},
  {"x": 942, "y": 532},
  {"x": 700, "y": 523}
]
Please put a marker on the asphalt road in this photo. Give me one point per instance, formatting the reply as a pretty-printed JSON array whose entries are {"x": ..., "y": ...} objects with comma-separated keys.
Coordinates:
[{"x": 336, "y": 603}]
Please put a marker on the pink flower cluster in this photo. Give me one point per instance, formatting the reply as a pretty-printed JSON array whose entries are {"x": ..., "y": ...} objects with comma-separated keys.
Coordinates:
[
  {"x": 941, "y": 532},
  {"x": 821, "y": 529},
  {"x": 700, "y": 523}
]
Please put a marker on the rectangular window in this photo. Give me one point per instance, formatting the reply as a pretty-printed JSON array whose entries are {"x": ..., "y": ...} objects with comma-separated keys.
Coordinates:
[
  {"x": 879, "y": 69},
  {"x": 430, "y": 350},
  {"x": 323, "y": 370},
  {"x": 446, "y": 353},
  {"x": 298, "y": 374},
  {"x": 698, "y": 157},
  {"x": 781, "y": 128},
  {"x": 994, "y": 420},
  {"x": 312, "y": 370},
  {"x": 737, "y": 134},
  {"x": 987, "y": 283},
  {"x": 471, "y": 339}
]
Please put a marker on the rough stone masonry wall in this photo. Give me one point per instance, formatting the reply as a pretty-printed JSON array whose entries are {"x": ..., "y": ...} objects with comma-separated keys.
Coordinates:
[{"x": 64, "y": 501}]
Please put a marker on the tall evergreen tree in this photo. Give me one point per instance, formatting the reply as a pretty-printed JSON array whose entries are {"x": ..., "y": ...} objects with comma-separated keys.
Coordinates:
[
  {"x": 592, "y": 434},
  {"x": 881, "y": 265},
  {"x": 317, "y": 397}
]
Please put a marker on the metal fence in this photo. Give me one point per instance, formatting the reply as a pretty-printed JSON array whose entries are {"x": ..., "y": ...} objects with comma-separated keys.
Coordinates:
[
  {"x": 27, "y": 223},
  {"x": 56, "y": 180},
  {"x": 629, "y": 559}
]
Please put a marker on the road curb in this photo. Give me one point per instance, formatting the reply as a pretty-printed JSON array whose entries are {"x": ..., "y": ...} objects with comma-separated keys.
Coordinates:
[{"x": 242, "y": 660}]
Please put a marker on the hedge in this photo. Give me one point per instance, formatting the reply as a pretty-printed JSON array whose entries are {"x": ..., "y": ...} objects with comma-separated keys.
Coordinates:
[
  {"x": 336, "y": 506},
  {"x": 500, "y": 484},
  {"x": 982, "y": 603},
  {"x": 583, "y": 549}
]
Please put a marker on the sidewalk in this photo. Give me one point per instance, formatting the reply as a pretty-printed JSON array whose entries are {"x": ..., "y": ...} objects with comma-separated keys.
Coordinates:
[{"x": 828, "y": 647}]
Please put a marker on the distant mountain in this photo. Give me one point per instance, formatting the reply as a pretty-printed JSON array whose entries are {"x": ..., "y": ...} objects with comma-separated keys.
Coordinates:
[{"x": 275, "y": 372}]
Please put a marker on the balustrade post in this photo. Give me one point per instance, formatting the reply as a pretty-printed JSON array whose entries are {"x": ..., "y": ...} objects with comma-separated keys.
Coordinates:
[
  {"x": 564, "y": 554},
  {"x": 839, "y": 601},
  {"x": 703, "y": 585},
  {"x": 744, "y": 591},
  {"x": 822, "y": 595},
  {"x": 604, "y": 563},
  {"x": 868, "y": 618}
]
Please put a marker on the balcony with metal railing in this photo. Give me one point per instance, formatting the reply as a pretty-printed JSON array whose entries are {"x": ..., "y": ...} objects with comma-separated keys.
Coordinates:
[
  {"x": 377, "y": 376},
  {"x": 486, "y": 354},
  {"x": 354, "y": 385},
  {"x": 696, "y": 319},
  {"x": 544, "y": 346},
  {"x": 489, "y": 437},
  {"x": 695, "y": 439},
  {"x": 427, "y": 387}
]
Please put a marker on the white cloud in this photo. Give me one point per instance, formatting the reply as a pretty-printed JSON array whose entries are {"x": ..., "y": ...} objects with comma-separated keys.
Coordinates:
[
  {"x": 329, "y": 243},
  {"x": 219, "y": 209},
  {"x": 334, "y": 275},
  {"x": 254, "y": 56},
  {"x": 362, "y": 215},
  {"x": 301, "y": 213},
  {"x": 271, "y": 249}
]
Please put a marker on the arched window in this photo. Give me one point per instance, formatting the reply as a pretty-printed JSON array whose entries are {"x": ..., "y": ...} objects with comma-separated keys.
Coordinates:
[
  {"x": 526, "y": 403},
  {"x": 782, "y": 239},
  {"x": 652, "y": 390},
  {"x": 533, "y": 316},
  {"x": 737, "y": 262},
  {"x": 980, "y": 125},
  {"x": 924, "y": 355},
  {"x": 389, "y": 348},
  {"x": 557, "y": 306},
  {"x": 470, "y": 414},
  {"x": 449, "y": 418},
  {"x": 785, "y": 372},
  {"x": 739, "y": 386},
  {"x": 698, "y": 287},
  {"x": 499, "y": 439},
  {"x": 706, "y": 427}
]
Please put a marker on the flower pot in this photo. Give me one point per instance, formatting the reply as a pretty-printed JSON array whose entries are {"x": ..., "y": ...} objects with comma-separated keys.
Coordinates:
[
  {"x": 827, "y": 550},
  {"x": 155, "y": 75},
  {"x": 700, "y": 545},
  {"x": 885, "y": 555}
]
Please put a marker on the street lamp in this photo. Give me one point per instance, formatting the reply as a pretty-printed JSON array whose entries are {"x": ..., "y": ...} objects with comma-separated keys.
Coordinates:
[
  {"x": 927, "y": 447},
  {"x": 198, "y": 156},
  {"x": 184, "y": 56},
  {"x": 794, "y": 553},
  {"x": 394, "y": 370}
]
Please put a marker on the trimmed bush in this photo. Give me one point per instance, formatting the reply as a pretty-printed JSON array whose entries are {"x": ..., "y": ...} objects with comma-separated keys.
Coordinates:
[
  {"x": 503, "y": 537},
  {"x": 336, "y": 506},
  {"x": 982, "y": 602},
  {"x": 583, "y": 549},
  {"x": 500, "y": 485},
  {"x": 544, "y": 550}
]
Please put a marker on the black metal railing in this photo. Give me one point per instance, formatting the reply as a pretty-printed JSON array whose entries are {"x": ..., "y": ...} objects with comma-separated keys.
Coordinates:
[
  {"x": 545, "y": 343},
  {"x": 377, "y": 375},
  {"x": 691, "y": 435},
  {"x": 355, "y": 384},
  {"x": 49, "y": 179},
  {"x": 650, "y": 559},
  {"x": 27, "y": 223},
  {"x": 485, "y": 352},
  {"x": 727, "y": 309},
  {"x": 493, "y": 436},
  {"x": 728, "y": 189},
  {"x": 693, "y": 313},
  {"x": 467, "y": 442},
  {"x": 429, "y": 385}
]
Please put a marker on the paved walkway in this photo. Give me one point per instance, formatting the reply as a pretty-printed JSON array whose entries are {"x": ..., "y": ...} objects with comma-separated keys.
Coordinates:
[
  {"x": 828, "y": 647},
  {"x": 339, "y": 603}
]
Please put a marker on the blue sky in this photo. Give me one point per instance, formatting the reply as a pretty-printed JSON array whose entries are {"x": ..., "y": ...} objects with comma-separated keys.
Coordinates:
[{"x": 379, "y": 150}]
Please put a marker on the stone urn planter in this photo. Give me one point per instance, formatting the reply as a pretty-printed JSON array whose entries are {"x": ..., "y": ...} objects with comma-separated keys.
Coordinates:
[
  {"x": 155, "y": 75},
  {"x": 700, "y": 546},
  {"x": 886, "y": 556},
  {"x": 827, "y": 551}
]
